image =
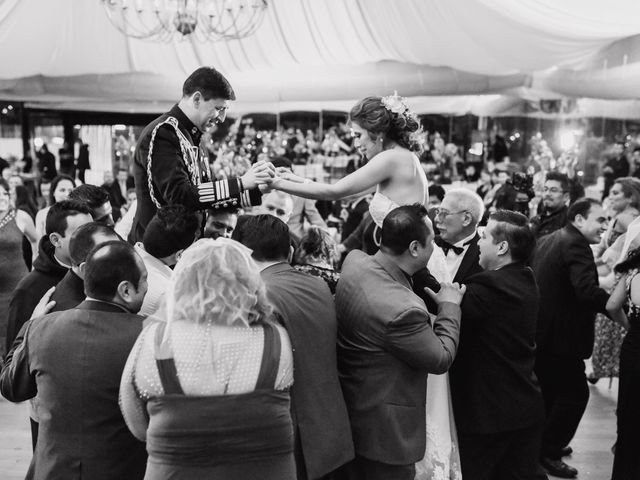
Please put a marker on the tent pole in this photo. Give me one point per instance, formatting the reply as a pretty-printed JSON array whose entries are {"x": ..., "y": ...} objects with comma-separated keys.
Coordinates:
[
  {"x": 321, "y": 125},
  {"x": 450, "y": 128},
  {"x": 278, "y": 121}
]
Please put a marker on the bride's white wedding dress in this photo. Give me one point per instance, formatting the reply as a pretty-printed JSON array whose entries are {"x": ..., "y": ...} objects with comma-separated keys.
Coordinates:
[{"x": 441, "y": 459}]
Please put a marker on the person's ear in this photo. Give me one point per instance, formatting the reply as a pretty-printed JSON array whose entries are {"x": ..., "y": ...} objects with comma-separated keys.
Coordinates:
[
  {"x": 413, "y": 248},
  {"x": 197, "y": 99},
  {"x": 290, "y": 257},
  {"x": 55, "y": 239},
  {"x": 124, "y": 290},
  {"x": 503, "y": 248},
  {"x": 82, "y": 267}
]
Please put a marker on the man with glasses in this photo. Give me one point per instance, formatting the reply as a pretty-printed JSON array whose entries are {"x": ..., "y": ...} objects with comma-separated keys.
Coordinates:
[
  {"x": 457, "y": 220},
  {"x": 555, "y": 198}
]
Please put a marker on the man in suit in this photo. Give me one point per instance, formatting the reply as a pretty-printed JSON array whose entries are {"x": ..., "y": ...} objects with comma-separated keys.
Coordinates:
[
  {"x": 569, "y": 299},
  {"x": 73, "y": 360},
  {"x": 457, "y": 220},
  {"x": 321, "y": 425},
  {"x": 387, "y": 346},
  {"x": 496, "y": 398},
  {"x": 116, "y": 196},
  {"x": 169, "y": 149},
  {"x": 69, "y": 292}
]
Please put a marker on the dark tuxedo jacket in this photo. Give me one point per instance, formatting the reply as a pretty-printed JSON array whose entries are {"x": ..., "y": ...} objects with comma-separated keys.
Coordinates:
[
  {"x": 386, "y": 348},
  {"x": 306, "y": 307},
  {"x": 116, "y": 198},
  {"x": 69, "y": 292},
  {"x": 470, "y": 262},
  {"x": 493, "y": 387},
  {"x": 74, "y": 360},
  {"x": 569, "y": 293}
]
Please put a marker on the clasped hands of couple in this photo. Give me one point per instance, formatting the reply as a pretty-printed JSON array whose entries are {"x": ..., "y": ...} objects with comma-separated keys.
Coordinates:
[{"x": 263, "y": 174}]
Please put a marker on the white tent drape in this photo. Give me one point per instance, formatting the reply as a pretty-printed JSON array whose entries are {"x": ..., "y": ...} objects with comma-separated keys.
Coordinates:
[{"x": 323, "y": 51}]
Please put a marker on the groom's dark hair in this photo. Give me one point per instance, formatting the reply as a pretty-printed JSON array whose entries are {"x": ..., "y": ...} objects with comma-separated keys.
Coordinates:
[{"x": 402, "y": 226}]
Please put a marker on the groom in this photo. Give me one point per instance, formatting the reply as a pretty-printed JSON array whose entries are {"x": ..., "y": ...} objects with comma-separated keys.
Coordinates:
[{"x": 387, "y": 345}]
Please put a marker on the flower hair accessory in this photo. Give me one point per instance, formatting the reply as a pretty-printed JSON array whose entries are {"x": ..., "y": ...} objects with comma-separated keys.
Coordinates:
[{"x": 395, "y": 103}]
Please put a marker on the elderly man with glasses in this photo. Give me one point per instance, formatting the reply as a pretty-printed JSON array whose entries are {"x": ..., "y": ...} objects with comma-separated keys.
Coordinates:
[
  {"x": 555, "y": 198},
  {"x": 457, "y": 220}
]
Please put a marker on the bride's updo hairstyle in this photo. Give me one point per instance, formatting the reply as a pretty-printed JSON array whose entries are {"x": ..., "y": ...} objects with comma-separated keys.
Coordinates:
[
  {"x": 389, "y": 116},
  {"x": 217, "y": 282}
]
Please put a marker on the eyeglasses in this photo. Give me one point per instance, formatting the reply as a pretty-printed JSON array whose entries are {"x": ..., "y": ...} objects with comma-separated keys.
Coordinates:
[
  {"x": 445, "y": 213},
  {"x": 553, "y": 190}
]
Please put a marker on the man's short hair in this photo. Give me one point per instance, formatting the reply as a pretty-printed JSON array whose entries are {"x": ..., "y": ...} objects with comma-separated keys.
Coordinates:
[
  {"x": 108, "y": 265},
  {"x": 56, "y": 221},
  {"x": 402, "y": 226},
  {"x": 92, "y": 196},
  {"x": 468, "y": 201},
  {"x": 83, "y": 240},
  {"x": 210, "y": 83},
  {"x": 266, "y": 235},
  {"x": 559, "y": 177},
  {"x": 171, "y": 229},
  {"x": 514, "y": 228},
  {"x": 582, "y": 207}
]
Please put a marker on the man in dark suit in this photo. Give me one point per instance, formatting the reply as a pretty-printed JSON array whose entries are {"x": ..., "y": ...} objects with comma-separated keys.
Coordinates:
[
  {"x": 169, "y": 149},
  {"x": 497, "y": 402},
  {"x": 69, "y": 292},
  {"x": 457, "y": 220},
  {"x": 387, "y": 346},
  {"x": 322, "y": 434},
  {"x": 569, "y": 299},
  {"x": 116, "y": 196},
  {"x": 73, "y": 361}
]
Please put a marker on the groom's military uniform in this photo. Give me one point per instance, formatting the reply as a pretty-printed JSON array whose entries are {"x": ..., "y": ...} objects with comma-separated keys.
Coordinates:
[
  {"x": 170, "y": 168},
  {"x": 386, "y": 347}
]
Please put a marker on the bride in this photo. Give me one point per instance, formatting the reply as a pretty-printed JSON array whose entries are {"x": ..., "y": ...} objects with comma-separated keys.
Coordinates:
[{"x": 387, "y": 133}]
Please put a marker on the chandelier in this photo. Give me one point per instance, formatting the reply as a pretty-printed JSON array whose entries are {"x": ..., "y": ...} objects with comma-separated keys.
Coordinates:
[{"x": 204, "y": 20}]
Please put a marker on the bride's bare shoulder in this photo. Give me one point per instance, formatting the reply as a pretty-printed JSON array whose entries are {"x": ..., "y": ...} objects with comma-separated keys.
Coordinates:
[{"x": 396, "y": 155}]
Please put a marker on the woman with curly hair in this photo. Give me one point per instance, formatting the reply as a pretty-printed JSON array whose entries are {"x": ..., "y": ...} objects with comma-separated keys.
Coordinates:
[
  {"x": 387, "y": 134},
  {"x": 207, "y": 386}
]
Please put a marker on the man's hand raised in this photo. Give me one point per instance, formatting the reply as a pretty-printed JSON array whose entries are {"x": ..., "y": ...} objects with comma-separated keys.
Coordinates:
[{"x": 449, "y": 292}]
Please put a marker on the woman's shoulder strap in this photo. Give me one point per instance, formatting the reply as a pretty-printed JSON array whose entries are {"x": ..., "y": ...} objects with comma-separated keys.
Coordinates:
[
  {"x": 270, "y": 357},
  {"x": 165, "y": 363}
]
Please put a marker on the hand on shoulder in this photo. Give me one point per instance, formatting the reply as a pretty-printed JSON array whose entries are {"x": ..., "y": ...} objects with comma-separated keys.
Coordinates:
[{"x": 449, "y": 292}]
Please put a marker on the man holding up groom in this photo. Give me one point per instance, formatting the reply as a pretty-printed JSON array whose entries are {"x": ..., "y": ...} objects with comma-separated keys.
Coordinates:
[{"x": 387, "y": 344}]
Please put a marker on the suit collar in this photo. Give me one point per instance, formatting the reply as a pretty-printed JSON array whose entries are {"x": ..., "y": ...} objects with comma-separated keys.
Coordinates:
[
  {"x": 392, "y": 269},
  {"x": 102, "y": 306}
]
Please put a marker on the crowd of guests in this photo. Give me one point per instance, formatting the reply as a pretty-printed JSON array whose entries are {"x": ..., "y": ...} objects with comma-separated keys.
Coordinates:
[{"x": 261, "y": 343}]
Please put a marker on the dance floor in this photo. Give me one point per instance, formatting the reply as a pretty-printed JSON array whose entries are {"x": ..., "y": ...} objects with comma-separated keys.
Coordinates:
[{"x": 592, "y": 445}]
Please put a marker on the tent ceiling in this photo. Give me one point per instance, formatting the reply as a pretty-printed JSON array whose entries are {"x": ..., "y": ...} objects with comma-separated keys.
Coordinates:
[{"x": 312, "y": 54}]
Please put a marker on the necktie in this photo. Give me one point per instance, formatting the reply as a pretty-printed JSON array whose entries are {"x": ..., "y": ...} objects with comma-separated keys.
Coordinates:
[{"x": 446, "y": 246}]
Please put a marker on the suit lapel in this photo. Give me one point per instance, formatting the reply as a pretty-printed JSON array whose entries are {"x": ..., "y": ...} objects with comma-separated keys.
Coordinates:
[{"x": 469, "y": 260}]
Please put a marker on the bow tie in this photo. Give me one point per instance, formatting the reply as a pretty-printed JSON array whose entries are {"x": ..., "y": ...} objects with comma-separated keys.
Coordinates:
[{"x": 446, "y": 246}]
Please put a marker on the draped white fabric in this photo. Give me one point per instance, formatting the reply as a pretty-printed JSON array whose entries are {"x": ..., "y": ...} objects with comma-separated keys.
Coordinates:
[
  {"x": 99, "y": 139},
  {"x": 321, "y": 51}
]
